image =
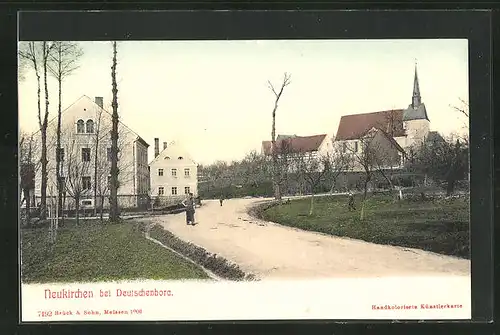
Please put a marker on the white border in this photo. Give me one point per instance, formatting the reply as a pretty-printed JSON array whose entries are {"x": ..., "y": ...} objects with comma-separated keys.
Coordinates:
[{"x": 402, "y": 298}]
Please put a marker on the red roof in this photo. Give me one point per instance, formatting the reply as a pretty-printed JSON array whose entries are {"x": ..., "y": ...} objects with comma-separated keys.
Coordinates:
[
  {"x": 296, "y": 144},
  {"x": 355, "y": 126}
]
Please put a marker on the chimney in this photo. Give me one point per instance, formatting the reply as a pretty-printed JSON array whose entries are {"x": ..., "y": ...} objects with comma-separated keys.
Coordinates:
[
  {"x": 157, "y": 147},
  {"x": 99, "y": 101},
  {"x": 165, "y": 145}
]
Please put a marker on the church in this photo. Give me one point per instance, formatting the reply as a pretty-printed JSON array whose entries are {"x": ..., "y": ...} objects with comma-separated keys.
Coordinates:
[{"x": 392, "y": 132}]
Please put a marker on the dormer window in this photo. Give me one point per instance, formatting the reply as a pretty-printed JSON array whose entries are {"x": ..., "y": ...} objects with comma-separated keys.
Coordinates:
[
  {"x": 166, "y": 157},
  {"x": 180, "y": 157},
  {"x": 90, "y": 126},
  {"x": 80, "y": 127}
]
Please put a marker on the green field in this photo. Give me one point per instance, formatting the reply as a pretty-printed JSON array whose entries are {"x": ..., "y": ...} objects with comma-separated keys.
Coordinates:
[
  {"x": 441, "y": 226},
  {"x": 99, "y": 252}
]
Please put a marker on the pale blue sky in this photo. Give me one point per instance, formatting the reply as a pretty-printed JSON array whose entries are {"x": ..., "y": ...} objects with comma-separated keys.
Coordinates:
[{"x": 212, "y": 96}]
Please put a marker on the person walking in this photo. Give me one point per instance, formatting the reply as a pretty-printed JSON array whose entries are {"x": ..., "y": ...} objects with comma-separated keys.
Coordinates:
[
  {"x": 221, "y": 199},
  {"x": 189, "y": 204}
]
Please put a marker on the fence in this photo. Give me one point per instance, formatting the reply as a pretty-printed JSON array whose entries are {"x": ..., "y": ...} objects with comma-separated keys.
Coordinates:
[{"x": 125, "y": 202}]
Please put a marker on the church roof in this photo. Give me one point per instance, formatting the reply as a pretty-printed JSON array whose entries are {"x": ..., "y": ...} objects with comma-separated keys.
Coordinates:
[
  {"x": 355, "y": 126},
  {"x": 295, "y": 144},
  {"x": 418, "y": 113},
  {"x": 416, "y": 110}
]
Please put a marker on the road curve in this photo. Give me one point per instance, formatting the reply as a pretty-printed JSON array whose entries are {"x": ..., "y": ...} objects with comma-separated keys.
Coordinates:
[{"x": 273, "y": 251}]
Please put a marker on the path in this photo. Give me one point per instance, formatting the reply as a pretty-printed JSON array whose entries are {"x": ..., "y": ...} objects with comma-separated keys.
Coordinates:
[{"x": 269, "y": 250}]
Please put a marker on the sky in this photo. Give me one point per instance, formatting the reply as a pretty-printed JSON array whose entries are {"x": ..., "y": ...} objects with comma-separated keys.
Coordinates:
[{"x": 212, "y": 97}]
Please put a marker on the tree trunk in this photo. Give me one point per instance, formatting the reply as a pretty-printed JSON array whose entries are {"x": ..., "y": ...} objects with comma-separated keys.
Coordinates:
[
  {"x": 43, "y": 192},
  {"x": 102, "y": 208},
  {"x": 28, "y": 207},
  {"x": 365, "y": 193},
  {"x": 58, "y": 144},
  {"x": 77, "y": 208},
  {"x": 450, "y": 187},
  {"x": 43, "y": 202},
  {"x": 311, "y": 207},
  {"x": 113, "y": 210}
]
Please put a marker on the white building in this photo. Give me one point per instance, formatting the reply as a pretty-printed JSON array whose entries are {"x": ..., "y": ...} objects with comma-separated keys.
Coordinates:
[
  {"x": 173, "y": 173},
  {"x": 85, "y": 158}
]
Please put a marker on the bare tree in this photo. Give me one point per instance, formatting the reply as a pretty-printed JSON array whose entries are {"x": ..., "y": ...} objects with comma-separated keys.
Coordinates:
[
  {"x": 463, "y": 110},
  {"x": 340, "y": 162},
  {"x": 113, "y": 210},
  {"x": 28, "y": 168},
  {"x": 445, "y": 160},
  {"x": 63, "y": 62},
  {"x": 313, "y": 167},
  {"x": 77, "y": 182},
  {"x": 255, "y": 168},
  {"x": 283, "y": 163},
  {"x": 37, "y": 54},
  {"x": 366, "y": 159},
  {"x": 102, "y": 159},
  {"x": 277, "y": 94}
]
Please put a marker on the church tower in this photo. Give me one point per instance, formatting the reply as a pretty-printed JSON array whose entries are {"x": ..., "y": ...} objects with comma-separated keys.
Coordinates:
[{"x": 415, "y": 120}]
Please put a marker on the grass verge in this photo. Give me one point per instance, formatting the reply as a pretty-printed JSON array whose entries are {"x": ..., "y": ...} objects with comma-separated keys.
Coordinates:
[
  {"x": 438, "y": 225},
  {"x": 99, "y": 252},
  {"x": 218, "y": 265}
]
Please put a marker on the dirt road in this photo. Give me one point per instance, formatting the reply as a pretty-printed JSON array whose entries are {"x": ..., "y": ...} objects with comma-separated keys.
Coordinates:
[{"x": 273, "y": 251}]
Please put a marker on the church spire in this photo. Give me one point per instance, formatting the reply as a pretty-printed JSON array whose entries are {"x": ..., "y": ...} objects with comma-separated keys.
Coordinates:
[{"x": 416, "y": 99}]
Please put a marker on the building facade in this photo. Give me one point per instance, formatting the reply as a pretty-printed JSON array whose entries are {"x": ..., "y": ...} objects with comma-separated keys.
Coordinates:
[
  {"x": 174, "y": 173},
  {"x": 85, "y": 159}
]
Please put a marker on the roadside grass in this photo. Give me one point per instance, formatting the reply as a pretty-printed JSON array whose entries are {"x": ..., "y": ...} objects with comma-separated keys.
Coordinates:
[
  {"x": 93, "y": 252},
  {"x": 441, "y": 226}
]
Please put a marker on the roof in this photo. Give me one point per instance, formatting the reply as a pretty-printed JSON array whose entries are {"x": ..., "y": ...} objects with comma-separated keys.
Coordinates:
[
  {"x": 295, "y": 144},
  {"x": 415, "y": 113},
  {"x": 355, "y": 126},
  {"x": 393, "y": 142},
  {"x": 173, "y": 151},
  {"x": 139, "y": 138},
  {"x": 282, "y": 137}
]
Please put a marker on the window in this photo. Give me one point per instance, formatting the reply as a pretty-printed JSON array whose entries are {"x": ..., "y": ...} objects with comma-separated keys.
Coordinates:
[
  {"x": 109, "y": 181},
  {"x": 187, "y": 190},
  {"x": 86, "y": 183},
  {"x": 174, "y": 172},
  {"x": 344, "y": 147},
  {"x": 85, "y": 154},
  {"x": 60, "y": 154},
  {"x": 180, "y": 157},
  {"x": 161, "y": 190},
  {"x": 174, "y": 190},
  {"x": 166, "y": 157},
  {"x": 90, "y": 126},
  {"x": 356, "y": 146},
  {"x": 80, "y": 127},
  {"x": 160, "y": 172},
  {"x": 186, "y": 172}
]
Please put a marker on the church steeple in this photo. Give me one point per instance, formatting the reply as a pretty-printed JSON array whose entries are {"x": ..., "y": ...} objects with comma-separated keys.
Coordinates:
[
  {"x": 416, "y": 99},
  {"x": 416, "y": 110}
]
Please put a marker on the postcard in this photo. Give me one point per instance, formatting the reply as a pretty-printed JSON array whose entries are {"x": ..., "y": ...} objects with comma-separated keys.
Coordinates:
[{"x": 244, "y": 180}]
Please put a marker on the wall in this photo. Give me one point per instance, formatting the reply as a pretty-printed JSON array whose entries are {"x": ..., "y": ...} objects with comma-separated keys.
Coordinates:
[
  {"x": 167, "y": 181},
  {"x": 417, "y": 130}
]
